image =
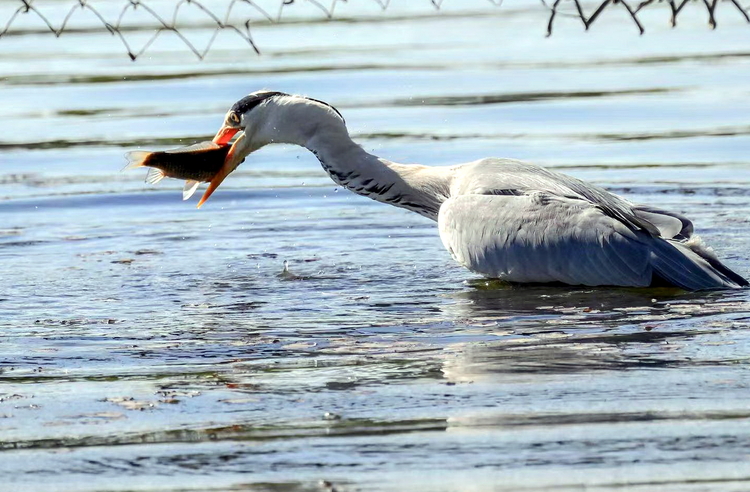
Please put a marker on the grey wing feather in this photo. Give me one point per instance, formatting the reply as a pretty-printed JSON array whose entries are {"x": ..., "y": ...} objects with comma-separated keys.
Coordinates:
[
  {"x": 543, "y": 238},
  {"x": 508, "y": 176},
  {"x": 511, "y": 177}
]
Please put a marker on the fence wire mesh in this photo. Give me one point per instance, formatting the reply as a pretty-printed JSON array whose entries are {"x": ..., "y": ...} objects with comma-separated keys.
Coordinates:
[{"x": 222, "y": 19}]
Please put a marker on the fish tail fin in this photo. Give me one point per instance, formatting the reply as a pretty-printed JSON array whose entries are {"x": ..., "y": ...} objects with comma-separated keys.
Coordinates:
[{"x": 136, "y": 158}]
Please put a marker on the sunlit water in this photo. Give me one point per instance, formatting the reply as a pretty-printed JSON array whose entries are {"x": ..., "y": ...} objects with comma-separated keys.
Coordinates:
[{"x": 147, "y": 345}]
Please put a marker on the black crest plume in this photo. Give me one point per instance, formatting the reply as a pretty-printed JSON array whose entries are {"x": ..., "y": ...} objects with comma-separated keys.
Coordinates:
[{"x": 249, "y": 102}]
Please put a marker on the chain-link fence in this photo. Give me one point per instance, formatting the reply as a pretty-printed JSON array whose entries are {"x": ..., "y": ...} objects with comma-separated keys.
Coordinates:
[{"x": 112, "y": 16}]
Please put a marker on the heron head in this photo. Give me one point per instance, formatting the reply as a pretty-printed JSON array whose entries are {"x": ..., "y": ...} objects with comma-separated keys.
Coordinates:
[
  {"x": 239, "y": 120},
  {"x": 265, "y": 117}
]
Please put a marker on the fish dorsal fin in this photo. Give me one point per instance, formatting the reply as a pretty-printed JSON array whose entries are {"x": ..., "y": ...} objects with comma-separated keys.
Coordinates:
[
  {"x": 208, "y": 145},
  {"x": 136, "y": 158},
  {"x": 190, "y": 186},
  {"x": 154, "y": 175}
]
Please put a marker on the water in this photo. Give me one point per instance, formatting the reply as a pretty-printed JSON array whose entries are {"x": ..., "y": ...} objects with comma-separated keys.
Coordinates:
[{"x": 148, "y": 345}]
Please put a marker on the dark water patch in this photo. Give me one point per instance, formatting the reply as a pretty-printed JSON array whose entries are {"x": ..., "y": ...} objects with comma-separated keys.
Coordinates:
[
  {"x": 17, "y": 178},
  {"x": 89, "y": 112},
  {"x": 427, "y": 136},
  {"x": 142, "y": 252},
  {"x": 611, "y": 137},
  {"x": 135, "y": 111},
  {"x": 239, "y": 432},
  {"x": 715, "y": 57},
  {"x": 41, "y": 79},
  {"x": 22, "y": 244},
  {"x": 732, "y": 131},
  {"x": 66, "y": 144},
  {"x": 263, "y": 255},
  {"x": 589, "y": 418},
  {"x": 481, "y": 99},
  {"x": 13, "y": 231},
  {"x": 652, "y": 165},
  {"x": 240, "y": 306},
  {"x": 685, "y": 189},
  {"x": 708, "y": 57},
  {"x": 37, "y": 377},
  {"x": 75, "y": 321}
]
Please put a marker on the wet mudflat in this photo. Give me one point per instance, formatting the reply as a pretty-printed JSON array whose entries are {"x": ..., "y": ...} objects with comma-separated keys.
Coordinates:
[{"x": 147, "y": 345}]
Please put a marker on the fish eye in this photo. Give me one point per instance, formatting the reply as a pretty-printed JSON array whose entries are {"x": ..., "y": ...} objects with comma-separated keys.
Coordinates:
[{"x": 233, "y": 119}]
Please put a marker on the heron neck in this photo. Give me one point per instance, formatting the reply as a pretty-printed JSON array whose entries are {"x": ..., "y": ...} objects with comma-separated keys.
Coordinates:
[{"x": 421, "y": 189}]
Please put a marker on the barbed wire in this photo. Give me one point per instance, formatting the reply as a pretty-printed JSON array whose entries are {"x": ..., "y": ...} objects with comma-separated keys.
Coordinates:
[
  {"x": 162, "y": 24},
  {"x": 635, "y": 8},
  {"x": 116, "y": 27}
]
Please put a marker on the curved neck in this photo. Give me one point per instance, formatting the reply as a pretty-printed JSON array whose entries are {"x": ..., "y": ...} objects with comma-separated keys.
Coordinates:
[{"x": 421, "y": 189}]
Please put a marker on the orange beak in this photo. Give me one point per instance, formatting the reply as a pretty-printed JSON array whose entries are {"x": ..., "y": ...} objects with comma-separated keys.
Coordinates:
[{"x": 223, "y": 136}]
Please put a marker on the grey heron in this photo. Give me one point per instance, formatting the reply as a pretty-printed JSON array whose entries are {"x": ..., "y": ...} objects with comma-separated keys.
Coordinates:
[{"x": 501, "y": 218}]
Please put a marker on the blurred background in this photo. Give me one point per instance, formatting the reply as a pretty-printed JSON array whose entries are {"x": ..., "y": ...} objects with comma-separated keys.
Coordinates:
[{"x": 147, "y": 345}]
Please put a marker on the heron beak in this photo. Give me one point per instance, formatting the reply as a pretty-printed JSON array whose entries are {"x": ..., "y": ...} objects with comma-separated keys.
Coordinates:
[
  {"x": 231, "y": 161},
  {"x": 225, "y": 134}
]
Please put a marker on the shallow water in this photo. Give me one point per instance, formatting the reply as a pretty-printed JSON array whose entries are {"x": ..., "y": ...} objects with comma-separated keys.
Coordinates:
[{"x": 148, "y": 345}]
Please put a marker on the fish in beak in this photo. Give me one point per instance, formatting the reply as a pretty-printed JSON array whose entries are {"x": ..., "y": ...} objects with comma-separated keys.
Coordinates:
[{"x": 232, "y": 160}]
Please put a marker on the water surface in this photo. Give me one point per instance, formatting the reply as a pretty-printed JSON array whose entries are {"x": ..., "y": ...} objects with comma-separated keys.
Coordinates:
[{"x": 148, "y": 345}]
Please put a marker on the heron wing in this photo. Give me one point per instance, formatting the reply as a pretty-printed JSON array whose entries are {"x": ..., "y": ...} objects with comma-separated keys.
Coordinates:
[
  {"x": 507, "y": 176},
  {"x": 542, "y": 237},
  {"x": 520, "y": 222}
]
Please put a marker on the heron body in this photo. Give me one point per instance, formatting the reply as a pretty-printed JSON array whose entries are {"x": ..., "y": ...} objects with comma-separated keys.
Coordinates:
[{"x": 501, "y": 218}]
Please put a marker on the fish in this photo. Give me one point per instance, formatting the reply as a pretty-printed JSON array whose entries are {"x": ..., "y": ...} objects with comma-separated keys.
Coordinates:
[{"x": 195, "y": 163}]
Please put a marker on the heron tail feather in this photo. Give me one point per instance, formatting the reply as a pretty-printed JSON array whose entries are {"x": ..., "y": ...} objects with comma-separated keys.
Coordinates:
[{"x": 691, "y": 266}]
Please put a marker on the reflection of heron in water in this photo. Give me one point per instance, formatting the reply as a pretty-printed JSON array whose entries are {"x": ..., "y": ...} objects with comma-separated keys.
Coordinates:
[
  {"x": 501, "y": 218},
  {"x": 547, "y": 330},
  {"x": 538, "y": 329},
  {"x": 487, "y": 298}
]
